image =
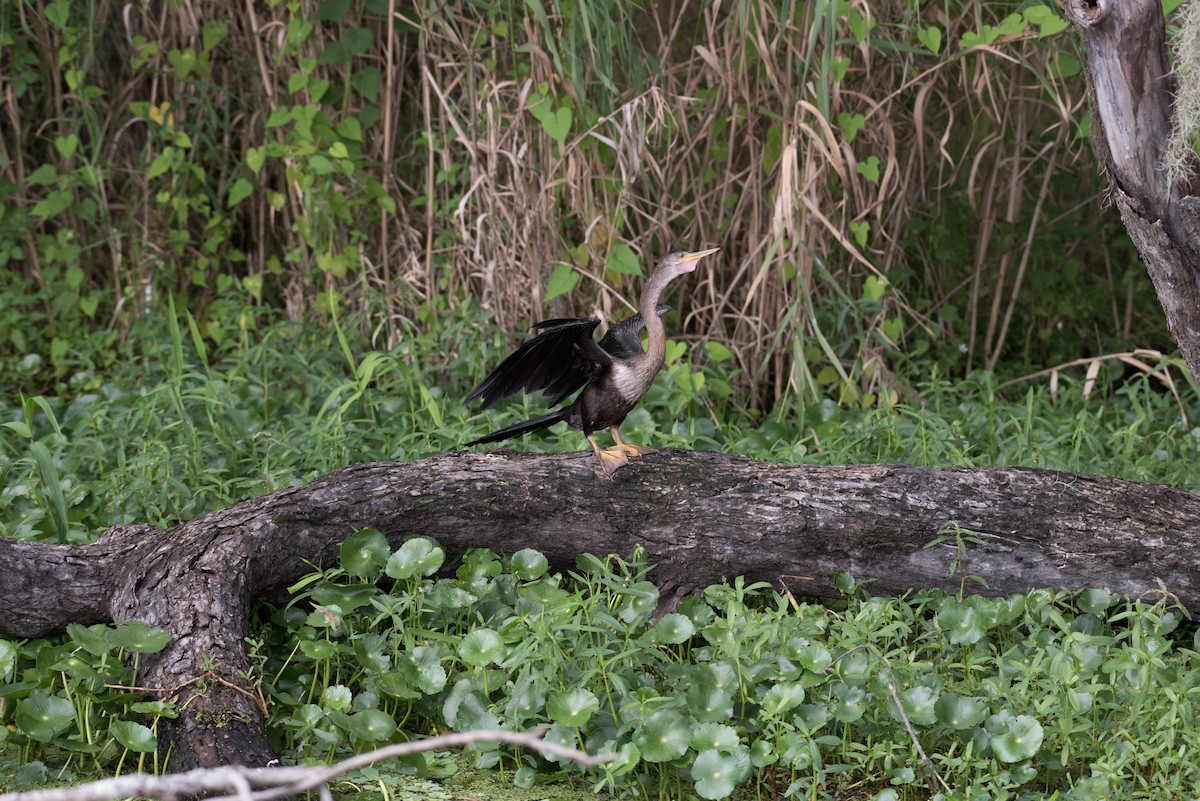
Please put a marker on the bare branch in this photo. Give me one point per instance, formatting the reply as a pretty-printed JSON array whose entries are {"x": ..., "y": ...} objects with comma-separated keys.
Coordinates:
[{"x": 261, "y": 784}]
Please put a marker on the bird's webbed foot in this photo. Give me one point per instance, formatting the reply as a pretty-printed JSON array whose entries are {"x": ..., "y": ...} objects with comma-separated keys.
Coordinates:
[
  {"x": 611, "y": 459},
  {"x": 628, "y": 448}
]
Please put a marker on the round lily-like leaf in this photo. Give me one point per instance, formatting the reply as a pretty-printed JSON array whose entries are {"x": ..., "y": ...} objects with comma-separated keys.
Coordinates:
[
  {"x": 717, "y": 772},
  {"x": 781, "y": 698},
  {"x": 708, "y": 703},
  {"x": 641, "y": 599},
  {"x": 813, "y": 657},
  {"x": 481, "y": 647},
  {"x": 393, "y": 684},
  {"x": 133, "y": 735},
  {"x": 961, "y": 623},
  {"x": 628, "y": 756},
  {"x": 419, "y": 556},
  {"x": 372, "y": 725},
  {"x": 1094, "y": 602},
  {"x": 714, "y": 735},
  {"x": 958, "y": 712},
  {"x": 919, "y": 704},
  {"x": 318, "y": 649},
  {"x": 850, "y": 703},
  {"x": 529, "y": 564},
  {"x": 1020, "y": 739},
  {"x": 91, "y": 638},
  {"x": 664, "y": 736},
  {"x": 762, "y": 754},
  {"x": 572, "y": 708},
  {"x": 364, "y": 553},
  {"x": 41, "y": 716},
  {"x": 336, "y": 698},
  {"x": 345, "y": 598},
  {"x": 423, "y": 668},
  {"x": 673, "y": 629},
  {"x": 136, "y": 636}
]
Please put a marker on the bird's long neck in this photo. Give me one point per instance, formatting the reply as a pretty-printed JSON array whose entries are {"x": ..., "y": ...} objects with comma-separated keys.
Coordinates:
[{"x": 656, "y": 347}]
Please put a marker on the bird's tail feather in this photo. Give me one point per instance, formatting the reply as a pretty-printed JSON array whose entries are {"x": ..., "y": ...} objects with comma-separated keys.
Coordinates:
[{"x": 536, "y": 424}]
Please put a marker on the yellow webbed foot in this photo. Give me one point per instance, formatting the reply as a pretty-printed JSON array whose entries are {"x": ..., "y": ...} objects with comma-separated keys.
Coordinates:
[
  {"x": 611, "y": 459},
  {"x": 628, "y": 448}
]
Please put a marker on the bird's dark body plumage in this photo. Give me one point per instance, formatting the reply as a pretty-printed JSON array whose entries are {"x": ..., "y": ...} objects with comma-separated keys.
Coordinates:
[{"x": 614, "y": 373}]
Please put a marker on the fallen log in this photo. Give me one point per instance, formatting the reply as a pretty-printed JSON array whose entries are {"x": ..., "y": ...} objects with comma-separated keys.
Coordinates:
[{"x": 702, "y": 517}]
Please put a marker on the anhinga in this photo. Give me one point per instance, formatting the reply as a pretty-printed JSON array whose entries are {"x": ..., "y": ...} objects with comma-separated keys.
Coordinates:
[{"x": 563, "y": 357}]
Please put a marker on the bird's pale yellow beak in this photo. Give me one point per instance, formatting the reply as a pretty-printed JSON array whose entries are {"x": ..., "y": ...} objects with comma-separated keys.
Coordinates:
[
  {"x": 699, "y": 254},
  {"x": 691, "y": 258}
]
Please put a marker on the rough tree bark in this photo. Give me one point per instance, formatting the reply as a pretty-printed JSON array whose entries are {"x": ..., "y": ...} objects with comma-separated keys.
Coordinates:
[
  {"x": 701, "y": 517},
  {"x": 1133, "y": 90}
]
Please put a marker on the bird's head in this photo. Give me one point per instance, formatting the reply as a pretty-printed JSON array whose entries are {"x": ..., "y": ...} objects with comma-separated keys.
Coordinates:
[{"x": 682, "y": 262}]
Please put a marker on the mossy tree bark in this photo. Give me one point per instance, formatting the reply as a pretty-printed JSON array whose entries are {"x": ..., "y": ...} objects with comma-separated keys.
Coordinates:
[
  {"x": 701, "y": 517},
  {"x": 1133, "y": 90}
]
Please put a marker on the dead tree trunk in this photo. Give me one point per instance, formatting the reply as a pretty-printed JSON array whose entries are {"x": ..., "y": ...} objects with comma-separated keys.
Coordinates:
[
  {"x": 1133, "y": 90},
  {"x": 702, "y": 517}
]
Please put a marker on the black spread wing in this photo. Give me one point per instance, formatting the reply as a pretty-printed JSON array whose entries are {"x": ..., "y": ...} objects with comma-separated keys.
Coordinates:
[
  {"x": 562, "y": 358},
  {"x": 558, "y": 361}
]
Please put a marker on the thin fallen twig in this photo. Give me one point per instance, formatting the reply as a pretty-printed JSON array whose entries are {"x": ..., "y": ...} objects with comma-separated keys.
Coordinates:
[{"x": 260, "y": 784}]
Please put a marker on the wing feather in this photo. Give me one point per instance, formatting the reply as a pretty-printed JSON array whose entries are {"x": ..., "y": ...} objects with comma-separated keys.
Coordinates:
[{"x": 562, "y": 354}]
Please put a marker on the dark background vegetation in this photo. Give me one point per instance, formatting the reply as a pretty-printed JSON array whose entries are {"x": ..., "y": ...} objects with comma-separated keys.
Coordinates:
[{"x": 887, "y": 182}]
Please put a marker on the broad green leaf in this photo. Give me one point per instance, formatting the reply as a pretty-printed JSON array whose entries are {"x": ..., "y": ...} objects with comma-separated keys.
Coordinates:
[
  {"x": 714, "y": 735},
  {"x": 673, "y": 629},
  {"x": 332, "y": 10},
  {"x": 1048, "y": 22},
  {"x": 1096, "y": 601},
  {"x": 716, "y": 772},
  {"x": 622, "y": 259},
  {"x": 336, "y": 698},
  {"x": 958, "y": 712},
  {"x": 8, "y": 658},
  {"x": 240, "y": 190},
  {"x": 529, "y": 564},
  {"x": 1019, "y": 740},
  {"x": 782, "y": 697},
  {"x": 919, "y": 705},
  {"x": 40, "y": 716},
  {"x": 481, "y": 647},
  {"x": 350, "y": 129},
  {"x": 357, "y": 40},
  {"x": 364, "y": 553},
  {"x": 43, "y": 176},
  {"x": 961, "y": 623},
  {"x": 562, "y": 280},
  {"x": 851, "y": 124},
  {"x": 136, "y": 636},
  {"x": 931, "y": 37},
  {"x": 869, "y": 169},
  {"x": 372, "y": 725},
  {"x": 318, "y": 650},
  {"x": 133, "y": 736},
  {"x": 709, "y": 704},
  {"x": 664, "y": 736},
  {"x": 66, "y": 145},
  {"x": 573, "y": 708},
  {"x": 345, "y": 598},
  {"x": 418, "y": 556},
  {"x": 717, "y": 352}
]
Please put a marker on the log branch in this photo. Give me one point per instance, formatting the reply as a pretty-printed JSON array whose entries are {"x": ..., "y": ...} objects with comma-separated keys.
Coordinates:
[{"x": 701, "y": 517}]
